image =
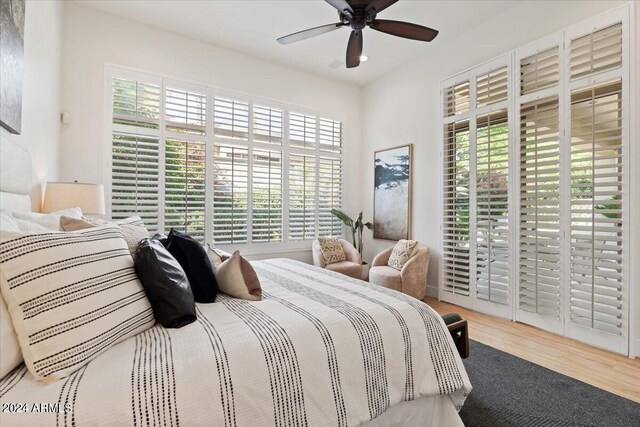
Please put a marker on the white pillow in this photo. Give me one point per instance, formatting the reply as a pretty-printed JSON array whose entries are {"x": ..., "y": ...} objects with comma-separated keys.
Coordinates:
[
  {"x": 38, "y": 222},
  {"x": 7, "y": 222},
  {"x": 71, "y": 296},
  {"x": 10, "y": 354}
]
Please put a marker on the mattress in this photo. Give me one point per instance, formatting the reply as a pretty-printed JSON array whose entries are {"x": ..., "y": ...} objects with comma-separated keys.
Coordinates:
[{"x": 319, "y": 349}]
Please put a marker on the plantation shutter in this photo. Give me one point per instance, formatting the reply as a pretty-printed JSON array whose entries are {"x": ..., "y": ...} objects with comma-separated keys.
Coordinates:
[
  {"x": 539, "y": 71},
  {"x": 230, "y": 193},
  {"x": 267, "y": 196},
  {"x": 267, "y": 124},
  {"x": 230, "y": 118},
  {"x": 302, "y": 130},
  {"x": 456, "y": 204},
  {"x": 135, "y": 154},
  {"x": 456, "y": 99},
  {"x": 492, "y": 203},
  {"x": 302, "y": 197},
  {"x": 539, "y": 225},
  {"x": 597, "y": 51},
  {"x": 492, "y": 87},
  {"x": 330, "y": 197},
  {"x": 597, "y": 207},
  {"x": 185, "y": 165}
]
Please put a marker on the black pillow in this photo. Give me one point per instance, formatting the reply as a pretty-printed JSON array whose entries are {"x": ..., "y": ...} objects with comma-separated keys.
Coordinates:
[
  {"x": 194, "y": 260},
  {"x": 165, "y": 284}
]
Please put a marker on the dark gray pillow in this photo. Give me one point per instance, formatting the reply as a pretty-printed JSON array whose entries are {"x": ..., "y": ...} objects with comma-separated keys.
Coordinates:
[{"x": 165, "y": 284}]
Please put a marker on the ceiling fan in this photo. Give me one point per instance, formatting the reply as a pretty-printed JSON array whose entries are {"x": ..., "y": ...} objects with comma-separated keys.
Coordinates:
[{"x": 358, "y": 14}]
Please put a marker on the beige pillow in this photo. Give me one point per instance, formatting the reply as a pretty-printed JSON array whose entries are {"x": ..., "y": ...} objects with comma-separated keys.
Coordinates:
[
  {"x": 33, "y": 222},
  {"x": 133, "y": 228},
  {"x": 402, "y": 251},
  {"x": 235, "y": 275},
  {"x": 331, "y": 249}
]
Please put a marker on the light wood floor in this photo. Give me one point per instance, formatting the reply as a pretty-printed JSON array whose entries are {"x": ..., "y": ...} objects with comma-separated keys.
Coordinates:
[{"x": 614, "y": 373}]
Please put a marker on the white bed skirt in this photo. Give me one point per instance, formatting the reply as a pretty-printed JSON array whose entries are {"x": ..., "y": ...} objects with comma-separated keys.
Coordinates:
[{"x": 437, "y": 411}]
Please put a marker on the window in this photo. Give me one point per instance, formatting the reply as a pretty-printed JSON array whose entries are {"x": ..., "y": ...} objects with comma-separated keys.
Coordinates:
[{"x": 222, "y": 168}]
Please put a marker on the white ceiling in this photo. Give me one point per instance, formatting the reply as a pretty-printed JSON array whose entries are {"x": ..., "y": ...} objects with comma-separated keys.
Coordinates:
[{"x": 253, "y": 27}]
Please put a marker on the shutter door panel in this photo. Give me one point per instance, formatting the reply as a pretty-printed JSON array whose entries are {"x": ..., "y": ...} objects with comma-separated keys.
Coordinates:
[
  {"x": 302, "y": 197},
  {"x": 230, "y": 194},
  {"x": 597, "y": 207},
  {"x": 185, "y": 112},
  {"x": 492, "y": 87},
  {"x": 492, "y": 207},
  {"x": 302, "y": 130},
  {"x": 456, "y": 99},
  {"x": 330, "y": 196},
  {"x": 136, "y": 103},
  {"x": 456, "y": 225},
  {"x": 539, "y": 225},
  {"x": 330, "y": 135},
  {"x": 266, "y": 191}
]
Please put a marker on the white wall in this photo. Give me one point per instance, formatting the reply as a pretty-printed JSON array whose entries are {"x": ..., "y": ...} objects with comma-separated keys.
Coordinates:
[
  {"x": 403, "y": 107},
  {"x": 92, "y": 38},
  {"x": 41, "y": 92}
]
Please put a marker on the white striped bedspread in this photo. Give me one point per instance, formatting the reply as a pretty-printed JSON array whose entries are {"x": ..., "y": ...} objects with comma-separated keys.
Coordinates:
[{"x": 320, "y": 349}]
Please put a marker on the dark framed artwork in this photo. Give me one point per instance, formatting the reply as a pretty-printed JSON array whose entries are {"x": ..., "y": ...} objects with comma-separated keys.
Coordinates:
[
  {"x": 392, "y": 193},
  {"x": 11, "y": 63}
]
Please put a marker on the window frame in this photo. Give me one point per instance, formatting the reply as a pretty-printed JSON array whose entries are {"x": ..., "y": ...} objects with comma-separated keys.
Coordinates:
[{"x": 249, "y": 248}]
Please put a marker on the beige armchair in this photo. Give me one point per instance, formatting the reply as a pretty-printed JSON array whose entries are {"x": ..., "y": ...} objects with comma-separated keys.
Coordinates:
[
  {"x": 411, "y": 280},
  {"x": 352, "y": 266}
]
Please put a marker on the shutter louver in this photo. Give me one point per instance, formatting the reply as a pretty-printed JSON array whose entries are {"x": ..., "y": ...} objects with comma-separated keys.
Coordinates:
[
  {"x": 230, "y": 118},
  {"x": 598, "y": 51},
  {"x": 492, "y": 206},
  {"x": 330, "y": 135},
  {"x": 135, "y": 150},
  {"x": 492, "y": 87},
  {"x": 230, "y": 194},
  {"x": 330, "y": 197},
  {"x": 267, "y": 124},
  {"x": 456, "y": 99},
  {"x": 456, "y": 223},
  {"x": 302, "y": 197},
  {"x": 267, "y": 196},
  {"x": 539, "y": 251},
  {"x": 597, "y": 207},
  {"x": 540, "y": 71},
  {"x": 302, "y": 130}
]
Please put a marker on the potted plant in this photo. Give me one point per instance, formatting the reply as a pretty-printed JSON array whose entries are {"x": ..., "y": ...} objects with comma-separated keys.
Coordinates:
[{"x": 356, "y": 227}]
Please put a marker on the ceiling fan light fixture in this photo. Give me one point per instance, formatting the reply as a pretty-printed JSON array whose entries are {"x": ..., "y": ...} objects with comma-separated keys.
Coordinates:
[{"x": 364, "y": 58}]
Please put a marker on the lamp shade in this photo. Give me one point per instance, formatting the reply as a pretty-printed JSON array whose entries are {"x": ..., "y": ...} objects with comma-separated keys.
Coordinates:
[{"x": 64, "y": 195}]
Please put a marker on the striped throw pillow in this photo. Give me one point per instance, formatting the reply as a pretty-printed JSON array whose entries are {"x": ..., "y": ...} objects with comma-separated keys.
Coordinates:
[{"x": 71, "y": 296}]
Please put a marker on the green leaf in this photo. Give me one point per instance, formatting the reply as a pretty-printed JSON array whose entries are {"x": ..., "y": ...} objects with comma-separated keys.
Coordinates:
[
  {"x": 346, "y": 219},
  {"x": 369, "y": 225}
]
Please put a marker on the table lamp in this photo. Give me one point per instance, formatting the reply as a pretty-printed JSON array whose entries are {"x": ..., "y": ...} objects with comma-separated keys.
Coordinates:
[{"x": 64, "y": 195}]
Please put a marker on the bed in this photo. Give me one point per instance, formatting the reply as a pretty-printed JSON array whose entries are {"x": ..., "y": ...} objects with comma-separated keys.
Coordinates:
[{"x": 319, "y": 349}]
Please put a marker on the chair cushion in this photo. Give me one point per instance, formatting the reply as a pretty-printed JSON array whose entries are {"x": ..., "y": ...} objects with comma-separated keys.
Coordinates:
[
  {"x": 348, "y": 268},
  {"x": 402, "y": 251},
  {"x": 386, "y": 276},
  {"x": 331, "y": 249}
]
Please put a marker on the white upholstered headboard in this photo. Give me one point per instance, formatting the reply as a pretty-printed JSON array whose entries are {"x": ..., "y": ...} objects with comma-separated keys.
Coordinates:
[{"x": 15, "y": 177}]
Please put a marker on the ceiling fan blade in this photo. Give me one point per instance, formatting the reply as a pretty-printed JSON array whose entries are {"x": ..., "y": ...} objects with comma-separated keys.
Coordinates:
[
  {"x": 311, "y": 32},
  {"x": 341, "y": 5},
  {"x": 404, "y": 29},
  {"x": 377, "y": 6},
  {"x": 354, "y": 49}
]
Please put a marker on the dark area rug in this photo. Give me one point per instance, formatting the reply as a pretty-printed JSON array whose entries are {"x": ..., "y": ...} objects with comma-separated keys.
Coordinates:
[{"x": 509, "y": 391}]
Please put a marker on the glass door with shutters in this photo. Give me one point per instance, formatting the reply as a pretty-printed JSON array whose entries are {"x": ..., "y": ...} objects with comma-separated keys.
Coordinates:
[
  {"x": 476, "y": 202},
  {"x": 537, "y": 219}
]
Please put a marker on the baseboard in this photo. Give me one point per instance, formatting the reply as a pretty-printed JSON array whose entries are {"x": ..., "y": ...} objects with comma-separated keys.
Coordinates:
[{"x": 432, "y": 291}]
